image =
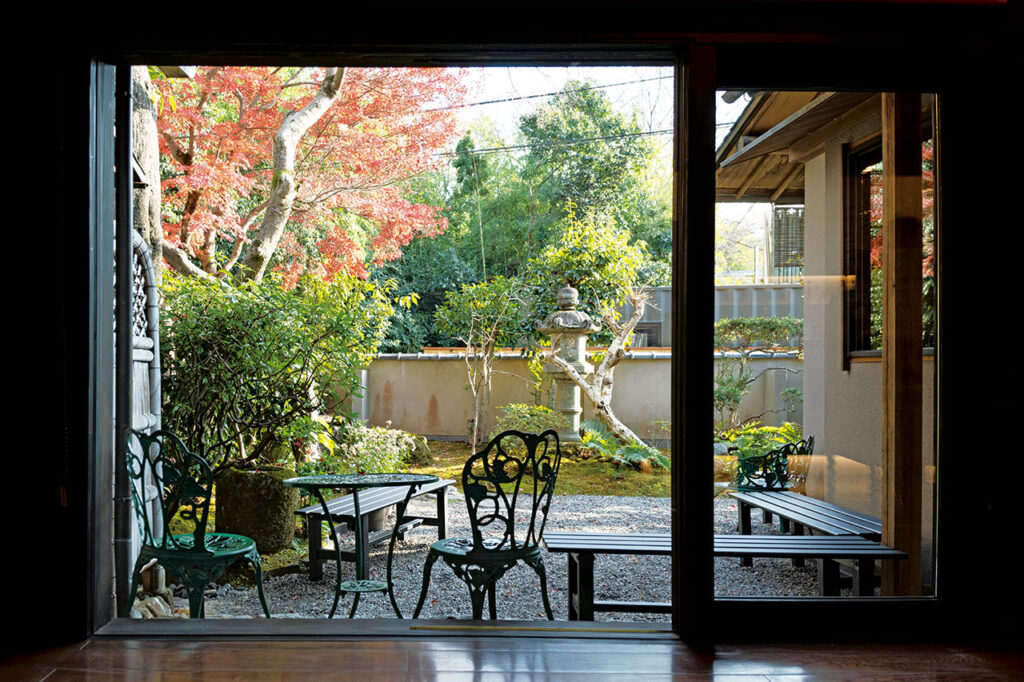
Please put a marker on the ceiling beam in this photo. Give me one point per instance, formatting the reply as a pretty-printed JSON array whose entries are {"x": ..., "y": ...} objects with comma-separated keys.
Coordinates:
[
  {"x": 790, "y": 176},
  {"x": 754, "y": 174}
]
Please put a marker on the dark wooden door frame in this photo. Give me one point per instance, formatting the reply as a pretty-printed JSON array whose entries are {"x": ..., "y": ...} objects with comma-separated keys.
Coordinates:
[{"x": 966, "y": 516}]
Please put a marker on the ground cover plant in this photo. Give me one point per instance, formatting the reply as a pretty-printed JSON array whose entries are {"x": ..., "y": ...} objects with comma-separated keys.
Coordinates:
[{"x": 578, "y": 475}]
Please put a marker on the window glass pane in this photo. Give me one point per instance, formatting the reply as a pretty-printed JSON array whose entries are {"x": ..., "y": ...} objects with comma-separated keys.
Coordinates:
[{"x": 804, "y": 469}]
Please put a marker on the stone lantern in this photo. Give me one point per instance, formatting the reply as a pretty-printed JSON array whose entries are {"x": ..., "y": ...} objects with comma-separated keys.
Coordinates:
[{"x": 568, "y": 329}]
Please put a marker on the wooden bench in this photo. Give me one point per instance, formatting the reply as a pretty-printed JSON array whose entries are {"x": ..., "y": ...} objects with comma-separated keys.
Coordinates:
[
  {"x": 798, "y": 512},
  {"x": 370, "y": 500},
  {"x": 582, "y": 547}
]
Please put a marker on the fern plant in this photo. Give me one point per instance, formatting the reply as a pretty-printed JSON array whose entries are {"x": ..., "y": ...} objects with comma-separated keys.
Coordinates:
[{"x": 597, "y": 438}]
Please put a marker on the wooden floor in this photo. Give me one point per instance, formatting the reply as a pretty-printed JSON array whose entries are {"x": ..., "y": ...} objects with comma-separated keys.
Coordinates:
[{"x": 501, "y": 658}]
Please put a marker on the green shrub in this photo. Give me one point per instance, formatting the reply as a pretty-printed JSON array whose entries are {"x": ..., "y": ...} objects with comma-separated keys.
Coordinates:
[
  {"x": 361, "y": 449},
  {"x": 528, "y": 419},
  {"x": 754, "y": 439},
  {"x": 245, "y": 367}
]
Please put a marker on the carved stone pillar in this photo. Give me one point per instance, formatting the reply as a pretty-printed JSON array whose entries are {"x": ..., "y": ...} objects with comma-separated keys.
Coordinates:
[{"x": 568, "y": 329}]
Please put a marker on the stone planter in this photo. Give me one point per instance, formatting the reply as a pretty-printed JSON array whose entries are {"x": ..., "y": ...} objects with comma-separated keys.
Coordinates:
[
  {"x": 377, "y": 519},
  {"x": 258, "y": 505}
]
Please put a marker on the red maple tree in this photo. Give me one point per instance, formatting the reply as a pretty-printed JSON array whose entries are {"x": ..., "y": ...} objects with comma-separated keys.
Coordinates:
[
  {"x": 927, "y": 210},
  {"x": 299, "y": 169}
]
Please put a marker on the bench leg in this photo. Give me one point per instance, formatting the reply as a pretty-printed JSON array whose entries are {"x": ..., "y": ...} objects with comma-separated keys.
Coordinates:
[
  {"x": 581, "y": 586},
  {"x": 574, "y": 586},
  {"x": 364, "y": 547},
  {"x": 314, "y": 524},
  {"x": 783, "y": 525},
  {"x": 442, "y": 513},
  {"x": 766, "y": 516},
  {"x": 798, "y": 529},
  {"x": 743, "y": 510},
  {"x": 828, "y": 578},
  {"x": 864, "y": 578}
]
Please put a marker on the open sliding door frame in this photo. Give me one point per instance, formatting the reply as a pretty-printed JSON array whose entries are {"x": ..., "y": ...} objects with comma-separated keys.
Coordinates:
[
  {"x": 694, "y": 198},
  {"x": 692, "y": 357}
]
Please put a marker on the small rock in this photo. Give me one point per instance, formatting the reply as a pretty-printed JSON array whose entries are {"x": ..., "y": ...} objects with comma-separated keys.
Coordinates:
[{"x": 153, "y": 607}]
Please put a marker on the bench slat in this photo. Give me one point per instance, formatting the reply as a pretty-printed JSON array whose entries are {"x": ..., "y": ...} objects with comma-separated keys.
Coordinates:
[
  {"x": 813, "y": 513},
  {"x": 582, "y": 547},
  {"x": 770, "y": 546}
]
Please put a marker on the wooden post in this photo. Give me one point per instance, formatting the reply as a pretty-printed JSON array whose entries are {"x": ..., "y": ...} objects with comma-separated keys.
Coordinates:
[{"x": 901, "y": 339}]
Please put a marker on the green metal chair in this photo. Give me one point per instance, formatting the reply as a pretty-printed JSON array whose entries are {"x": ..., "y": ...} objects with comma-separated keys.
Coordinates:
[
  {"x": 771, "y": 470},
  {"x": 514, "y": 468},
  {"x": 185, "y": 483}
]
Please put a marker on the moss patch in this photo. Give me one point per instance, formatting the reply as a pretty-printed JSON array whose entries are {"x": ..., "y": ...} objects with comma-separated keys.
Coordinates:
[{"x": 577, "y": 476}]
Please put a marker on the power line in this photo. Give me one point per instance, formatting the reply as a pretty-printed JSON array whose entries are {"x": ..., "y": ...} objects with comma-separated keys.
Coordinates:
[
  {"x": 565, "y": 143},
  {"x": 547, "y": 94}
]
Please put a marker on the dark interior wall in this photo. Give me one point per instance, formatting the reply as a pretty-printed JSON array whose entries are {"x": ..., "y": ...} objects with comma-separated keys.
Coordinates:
[{"x": 961, "y": 52}]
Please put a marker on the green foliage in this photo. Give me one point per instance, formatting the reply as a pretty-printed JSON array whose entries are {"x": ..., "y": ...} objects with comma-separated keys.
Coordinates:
[
  {"x": 597, "y": 439},
  {"x": 583, "y": 151},
  {"x": 429, "y": 268},
  {"x": 528, "y": 419},
  {"x": 731, "y": 382},
  {"x": 749, "y": 334},
  {"x": 245, "y": 367},
  {"x": 755, "y": 439},
  {"x": 591, "y": 255},
  {"x": 361, "y": 449},
  {"x": 744, "y": 336},
  {"x": 503, "y": 208},
  {"x": 484, "y": 315},
  {"x": 543, "y": 386}
]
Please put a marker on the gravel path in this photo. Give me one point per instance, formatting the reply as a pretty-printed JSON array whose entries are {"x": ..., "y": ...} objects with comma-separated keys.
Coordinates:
[{"x": 622, "y": 578}]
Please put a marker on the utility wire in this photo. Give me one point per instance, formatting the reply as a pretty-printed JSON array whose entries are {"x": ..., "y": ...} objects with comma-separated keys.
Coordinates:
[
  {"x": 546, "y": 94},
  {"x": 565, "y": 143}
]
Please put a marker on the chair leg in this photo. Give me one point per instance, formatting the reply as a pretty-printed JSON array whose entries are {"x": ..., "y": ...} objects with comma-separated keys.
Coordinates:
[
  {"x": 427, "y": 567},
  {"x": 538, "y": 566},
  {"x": 476, "y": 597},
  {"x": 195, "y": 585},
  {"x": 492, "y": 599},
  {"x": 254, "y": 559}
]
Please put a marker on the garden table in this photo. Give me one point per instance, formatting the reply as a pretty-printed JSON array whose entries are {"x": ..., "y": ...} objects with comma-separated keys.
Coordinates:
[{"x": 315, "y": 485}]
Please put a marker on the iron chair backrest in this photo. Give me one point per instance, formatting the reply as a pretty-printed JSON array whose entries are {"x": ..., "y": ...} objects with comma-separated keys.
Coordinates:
[
  {"x": 184, "y": 483},
  {"x": 770, "y": 471},
  {"x": 493, "y": 482}
]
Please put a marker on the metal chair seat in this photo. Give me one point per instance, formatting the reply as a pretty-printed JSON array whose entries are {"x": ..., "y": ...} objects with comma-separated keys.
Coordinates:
[
  {"x": 464, "y": 548},
  {"x": 219, "y": 546}
]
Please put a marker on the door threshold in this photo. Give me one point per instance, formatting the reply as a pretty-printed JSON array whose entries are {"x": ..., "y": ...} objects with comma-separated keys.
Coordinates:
[{"x": 373, "y": 628}]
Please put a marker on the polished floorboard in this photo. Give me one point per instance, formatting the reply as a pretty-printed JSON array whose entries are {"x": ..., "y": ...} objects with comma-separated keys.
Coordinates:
[{"x": 503, "y": 658}]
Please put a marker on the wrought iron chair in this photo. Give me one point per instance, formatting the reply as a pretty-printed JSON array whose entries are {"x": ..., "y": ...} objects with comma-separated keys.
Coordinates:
[
  {"x": 185, "y": 484},
  {"x": 514, "y": 467},
  {"x": 771, "y": 471}
]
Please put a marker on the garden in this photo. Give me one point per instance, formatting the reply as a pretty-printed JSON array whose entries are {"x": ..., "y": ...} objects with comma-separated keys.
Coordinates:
[{"x": 298, "y": 246}]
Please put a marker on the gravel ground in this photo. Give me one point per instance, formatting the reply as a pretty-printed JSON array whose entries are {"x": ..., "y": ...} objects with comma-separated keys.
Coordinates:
[{"x": 621, "y": 578}]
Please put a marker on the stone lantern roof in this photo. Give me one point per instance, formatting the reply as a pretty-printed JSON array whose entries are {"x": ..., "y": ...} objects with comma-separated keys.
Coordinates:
[{"x": 567, "y": 318}]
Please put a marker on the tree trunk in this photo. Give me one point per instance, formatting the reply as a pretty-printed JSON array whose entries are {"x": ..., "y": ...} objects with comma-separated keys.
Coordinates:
[{"x": 283, "y": 187}]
